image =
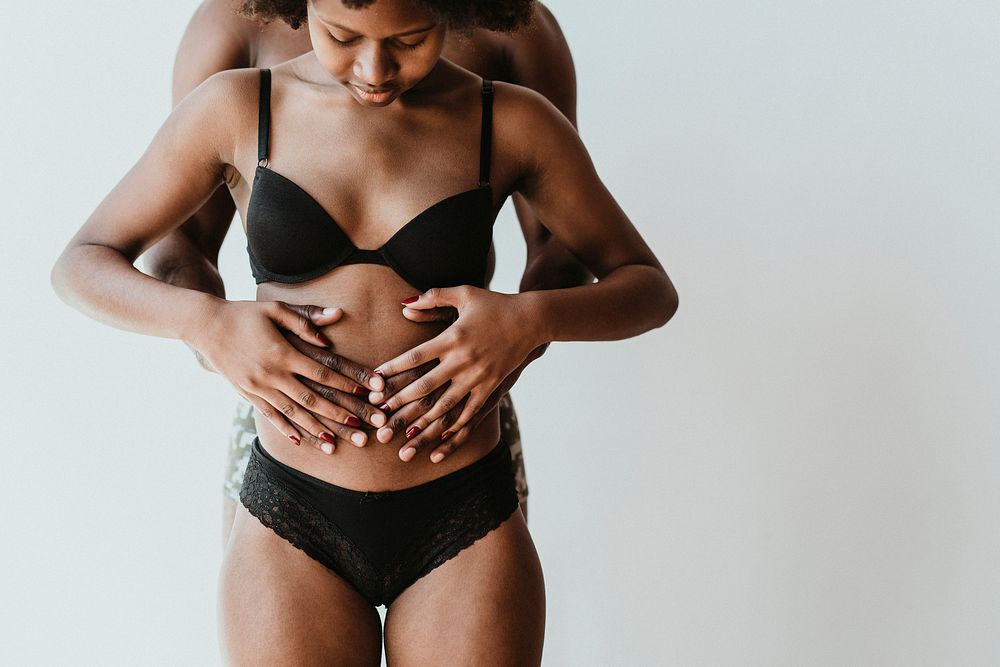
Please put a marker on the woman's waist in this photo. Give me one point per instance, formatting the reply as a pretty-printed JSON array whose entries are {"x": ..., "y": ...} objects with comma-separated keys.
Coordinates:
[{"x": 377, "y": 466}]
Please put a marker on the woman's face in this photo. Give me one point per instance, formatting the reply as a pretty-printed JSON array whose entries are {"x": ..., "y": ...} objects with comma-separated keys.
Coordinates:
[{"x": 376, "y": 52}]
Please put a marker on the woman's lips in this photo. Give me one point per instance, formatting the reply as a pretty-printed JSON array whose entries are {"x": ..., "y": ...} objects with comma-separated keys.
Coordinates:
[{"x": 378, "y": 96}]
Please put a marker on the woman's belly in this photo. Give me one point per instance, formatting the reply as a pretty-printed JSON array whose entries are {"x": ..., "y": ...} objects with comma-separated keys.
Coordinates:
[{"x": 371, "y": 331}]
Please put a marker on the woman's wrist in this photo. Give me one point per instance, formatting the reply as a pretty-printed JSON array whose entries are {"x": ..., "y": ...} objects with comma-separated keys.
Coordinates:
[
  {"x": 536, "y": 319},
  {"x": 198, "y": 313}
]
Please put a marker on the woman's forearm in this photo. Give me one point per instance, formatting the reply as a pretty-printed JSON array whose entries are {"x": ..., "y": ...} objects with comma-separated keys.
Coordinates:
[
  {"x": 101, "y": 283},
  {"x": 629, "y": 301}
]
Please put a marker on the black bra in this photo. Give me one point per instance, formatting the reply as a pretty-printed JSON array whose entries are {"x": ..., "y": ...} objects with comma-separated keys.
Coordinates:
[{"x": 291, "y": 238}]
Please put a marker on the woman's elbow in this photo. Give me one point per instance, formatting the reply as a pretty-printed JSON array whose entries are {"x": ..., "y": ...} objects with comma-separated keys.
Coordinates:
[
  {"x": 668, "y": 302},
  {"x": 63, "y": 276},
  {"x": 57, "y": 276}
]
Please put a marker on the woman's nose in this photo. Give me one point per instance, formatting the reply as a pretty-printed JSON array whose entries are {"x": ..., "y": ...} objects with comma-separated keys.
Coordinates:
[{"x": 374, "y": 65}]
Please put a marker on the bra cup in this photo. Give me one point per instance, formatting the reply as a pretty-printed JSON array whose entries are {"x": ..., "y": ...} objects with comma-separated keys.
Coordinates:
[
  {"x": 288, "y": 233},
  {"x": 448, "y": 244}
]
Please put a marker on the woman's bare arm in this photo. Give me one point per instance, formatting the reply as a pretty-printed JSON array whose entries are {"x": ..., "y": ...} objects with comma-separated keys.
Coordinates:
[
  {"x": 633, "y": 293},
  {"x": 188, "y": 159},
  {"x": 495, "y": 333}
]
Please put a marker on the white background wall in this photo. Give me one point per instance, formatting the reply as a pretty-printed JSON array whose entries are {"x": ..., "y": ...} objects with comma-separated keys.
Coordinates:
[{"x": 812, "y": 468}]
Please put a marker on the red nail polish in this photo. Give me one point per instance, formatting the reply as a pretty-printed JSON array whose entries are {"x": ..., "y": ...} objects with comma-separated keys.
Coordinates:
[
  {"x": 409, "y": 299},
  {"x": 379, "y": 373},
  {"x": 360, "y": 391},
  {"x": 326, "y": 437},
  {"x": 385, "y": 407},
  {"x": 326, "y": 341},
  {"x": 353, "y": 421},
  {"x": 295, "y": 440},
  {"x": 412, "y": 431},
  {"x": 446, "y": 435}
]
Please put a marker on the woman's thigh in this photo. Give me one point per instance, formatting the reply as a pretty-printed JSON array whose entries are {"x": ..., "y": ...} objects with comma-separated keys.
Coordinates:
[
  {"x": 485, "y": 606},
  {"x": 278, "y": 606}
]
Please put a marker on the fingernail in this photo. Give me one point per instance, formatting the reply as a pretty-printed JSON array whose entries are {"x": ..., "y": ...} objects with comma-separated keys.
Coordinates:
[
  {"x": 295, "y": 439},
  {"x": 353, "y": 421},
  {"x": 384, "y": 435},
  {"x": 410, "y": 299},
  {"x": 329, "y": 311},
  {"x": 326, "y": 341},
  {"x": 378, "y": 419},
  {"x": 385, "y": 407},
  {"x": 326, "y": 437},
  {"x": 359, "y": 391},
  {"x": 358, "y": 438},
  {"x": 327, "y": 448},
  {"x": 379, "y": 373},
  {"x": 446, "y": 435},
  {"x": 407, "y": 453},
  {"x": 437, "y": 457},
  {"x": 412, "y": 431}
]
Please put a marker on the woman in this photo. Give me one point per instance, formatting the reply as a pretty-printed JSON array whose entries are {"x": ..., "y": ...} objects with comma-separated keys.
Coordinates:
[
  {"x": 377, "y": 169},
  {"x": 218, "y": 38}
]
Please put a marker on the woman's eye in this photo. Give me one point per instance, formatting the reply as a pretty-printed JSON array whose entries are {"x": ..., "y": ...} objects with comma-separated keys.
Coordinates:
[
  {"x": 343, "y": 42},
  {"x": 408, "y": 45}
]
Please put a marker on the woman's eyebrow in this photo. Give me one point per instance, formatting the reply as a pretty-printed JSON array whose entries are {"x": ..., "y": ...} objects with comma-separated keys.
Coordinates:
[{"x": 398, "y": 34}]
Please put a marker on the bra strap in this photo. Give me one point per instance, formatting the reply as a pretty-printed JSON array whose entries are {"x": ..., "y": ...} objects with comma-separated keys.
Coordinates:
[
  {"x": 264, "y": 117},
  {"x": 485, "y": 134}
]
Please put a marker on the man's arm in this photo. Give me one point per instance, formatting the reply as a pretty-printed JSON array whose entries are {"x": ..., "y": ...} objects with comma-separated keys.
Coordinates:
[
  {"x": 188, "y": 257},
  {"x": 540, "y": 59}
]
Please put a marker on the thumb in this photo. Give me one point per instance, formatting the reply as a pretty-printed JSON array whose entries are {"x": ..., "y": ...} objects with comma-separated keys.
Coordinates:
[
  {"x": 318, "y": 316},
  {"x": 433, "y": 298},
  {"x": 293, "y": 318},
  {"x": 445, "y": 314}
]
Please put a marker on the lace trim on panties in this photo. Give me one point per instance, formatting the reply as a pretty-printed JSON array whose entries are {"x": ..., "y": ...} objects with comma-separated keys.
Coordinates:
[{"x": 306, "y": 528}]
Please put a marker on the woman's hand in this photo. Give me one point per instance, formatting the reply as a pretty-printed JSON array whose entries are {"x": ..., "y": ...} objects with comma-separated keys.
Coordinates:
[
  {"x": 245, "y": 343},
  {"x": 490, "y": 340}
]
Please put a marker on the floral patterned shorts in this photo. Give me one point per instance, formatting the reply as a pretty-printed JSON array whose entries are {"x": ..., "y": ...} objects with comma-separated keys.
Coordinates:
[{"x": 244, "y": 431}]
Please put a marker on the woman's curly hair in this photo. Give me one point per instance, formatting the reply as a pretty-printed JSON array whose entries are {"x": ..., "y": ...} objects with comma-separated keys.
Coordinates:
[{"x": 498, "y": 15}]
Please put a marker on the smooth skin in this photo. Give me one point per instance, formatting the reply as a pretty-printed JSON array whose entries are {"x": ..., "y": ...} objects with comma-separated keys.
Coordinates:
[
  {"x": 423, "y": 143},
  {"x": 218, "y": 39}
]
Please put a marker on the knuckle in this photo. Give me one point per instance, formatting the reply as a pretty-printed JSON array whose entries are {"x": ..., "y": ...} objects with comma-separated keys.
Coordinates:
[
  {"x": 287, "y": 409},
  {"x": 326, "y": 392},
  {"x": 307, "y": 399},
  {"x": 447, "y": 402},
  {"x": 362, "y": 410},
  {"x": 322, "y": 374},
  {"x": 397, "y": 423},
  {"x": 333, "y": 362},
  {"x": 414, "y": 357},
  {"x": 426, "y": 401},
  {"x": 423, "y": 386}
]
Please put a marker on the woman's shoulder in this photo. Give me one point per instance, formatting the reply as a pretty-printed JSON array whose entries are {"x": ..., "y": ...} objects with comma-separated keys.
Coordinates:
[
  {"x": 525, "y": 117},
  {"x": 229, "y": 97},
  {"x": 222, "y": 110}
]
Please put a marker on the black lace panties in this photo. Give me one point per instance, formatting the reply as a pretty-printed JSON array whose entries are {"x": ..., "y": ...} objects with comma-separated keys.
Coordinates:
[{"x": 381, "y": 542}]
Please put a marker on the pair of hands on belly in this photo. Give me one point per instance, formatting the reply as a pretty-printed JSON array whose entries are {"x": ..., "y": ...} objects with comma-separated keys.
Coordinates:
[{"x": 436, "y": 393}]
